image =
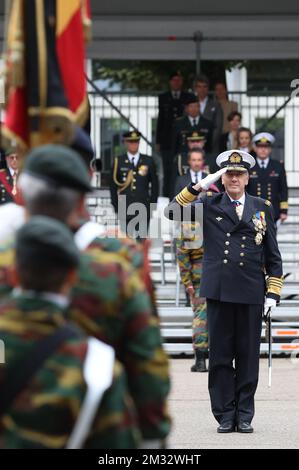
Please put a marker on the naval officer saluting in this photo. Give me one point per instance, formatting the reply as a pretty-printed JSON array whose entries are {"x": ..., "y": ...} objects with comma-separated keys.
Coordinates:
[{"x": 240, "y": 248}]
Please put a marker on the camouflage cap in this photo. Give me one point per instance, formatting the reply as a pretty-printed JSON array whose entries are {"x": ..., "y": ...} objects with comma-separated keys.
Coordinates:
[
  {"x": 58, "y": 165},
  {"x": 42, "y": 237}
]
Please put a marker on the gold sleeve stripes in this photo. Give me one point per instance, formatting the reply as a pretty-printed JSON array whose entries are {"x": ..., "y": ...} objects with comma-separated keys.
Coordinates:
[
  {"x": 185, "y": 197},
  {"x": 274, "y": 285},
  {"x": 284, "y": 205}
]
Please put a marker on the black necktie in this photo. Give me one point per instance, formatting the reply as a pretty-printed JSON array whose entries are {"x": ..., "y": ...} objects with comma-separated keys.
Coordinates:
[
  {"x": 133, "y": 161},
  {"x": 263, "y": 167},
  {"x": 196, "y": 178},
  {"x": 194, "y": 122}
]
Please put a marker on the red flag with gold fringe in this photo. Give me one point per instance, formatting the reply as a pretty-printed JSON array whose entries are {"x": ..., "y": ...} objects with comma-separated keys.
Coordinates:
[{"x": 45, "y": 77}]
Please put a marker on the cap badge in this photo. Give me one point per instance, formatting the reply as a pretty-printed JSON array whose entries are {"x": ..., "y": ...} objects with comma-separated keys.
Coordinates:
[{"x": 235, "y": 158}]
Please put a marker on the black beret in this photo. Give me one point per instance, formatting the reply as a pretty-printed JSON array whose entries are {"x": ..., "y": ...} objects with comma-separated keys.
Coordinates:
[
  {"x": 42, "y": 236},
  {"x": 58, "y": 165}
]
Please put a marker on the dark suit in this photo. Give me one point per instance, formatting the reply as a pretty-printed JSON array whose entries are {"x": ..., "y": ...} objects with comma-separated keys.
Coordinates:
[
  {"x": 213, "y": 112},
  {"x": 182, "y": 127},
  {"x": 139, "y": 184},
  {"x": 233, "y": 282},
  {"x": 170, "y": 109},
  {"x": 270, "y": 183}
]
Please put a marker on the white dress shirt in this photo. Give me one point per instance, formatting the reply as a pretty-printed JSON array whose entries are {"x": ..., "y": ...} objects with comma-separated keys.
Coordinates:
[
  {"x": 203, "y": 105},
  {"x": 193, "y": 173},
  {"x": 191, "y": 119},
  {"x": 176, "y": 95},
  {"x": 136, "y": 157},
  {"x": 259, "y": 162}
]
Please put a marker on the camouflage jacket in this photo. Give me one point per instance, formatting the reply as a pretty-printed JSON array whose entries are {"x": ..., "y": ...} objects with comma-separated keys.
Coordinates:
[
  {"x": 44, "y": 414},
  {"x": 111, "y": 303}
]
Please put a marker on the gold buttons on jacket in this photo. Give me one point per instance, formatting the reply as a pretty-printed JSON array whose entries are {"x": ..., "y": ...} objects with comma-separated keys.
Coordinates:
[
  {"x": 242, "y": 246},
  {"x": 241, "y": 254},
  {"x": 241, "y": 264},
  {"x": 226, "y": 252},
  {"x": 243, "y": 238},
  {"x": 225, "y": 261},
  {"x": 228, "y": 234},
  {"x": 227, "y": 243}
]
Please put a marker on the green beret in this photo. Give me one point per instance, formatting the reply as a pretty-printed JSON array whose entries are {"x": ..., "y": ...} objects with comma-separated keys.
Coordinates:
[
  {"x": 60, "y": 166},
  {"x": 45, "y": 237},
  {"x": 10, "y": 151}
]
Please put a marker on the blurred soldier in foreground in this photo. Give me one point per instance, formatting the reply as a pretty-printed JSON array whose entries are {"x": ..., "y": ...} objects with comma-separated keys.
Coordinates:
[
  {"x": 268, "y": 177},
  {"x": 134, "y": 186},
  {"x": 58, "y": 388},
  {"x": 110, "y": 300},
  {"x": 240, "y": 247}
]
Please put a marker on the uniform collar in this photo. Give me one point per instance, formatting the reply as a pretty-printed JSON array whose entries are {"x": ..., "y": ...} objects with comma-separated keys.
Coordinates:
[
  {"x": 136, "y": 157},
  {"x": 193, "y": 173},
  {"x": 61, "y": 301},
  {"x": 266, "y": 162},
  {"x": 241, "y": 199}
]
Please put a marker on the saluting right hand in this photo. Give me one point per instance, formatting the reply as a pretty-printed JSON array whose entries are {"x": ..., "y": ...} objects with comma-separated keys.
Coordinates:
[{"x": 206, "y": 182}]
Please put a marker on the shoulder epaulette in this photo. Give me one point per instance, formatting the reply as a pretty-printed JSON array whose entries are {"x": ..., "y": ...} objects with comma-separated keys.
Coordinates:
[
  {"x": 210, "y": 193},
  {"x": 268, "y": 203}
]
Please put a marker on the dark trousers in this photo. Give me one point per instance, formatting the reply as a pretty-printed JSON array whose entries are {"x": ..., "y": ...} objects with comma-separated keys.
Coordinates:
[{"x": 234, "y": 334}]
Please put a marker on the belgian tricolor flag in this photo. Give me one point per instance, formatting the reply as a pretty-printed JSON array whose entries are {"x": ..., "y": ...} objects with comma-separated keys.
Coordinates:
[{"x": 45, "y": 70}]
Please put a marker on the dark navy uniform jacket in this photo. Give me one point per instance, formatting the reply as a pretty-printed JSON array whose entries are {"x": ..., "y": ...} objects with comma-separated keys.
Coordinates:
[
  {"x": 169, "y": 110},
  {"x": 182, "y": 127},
  {"x": 234, "y": 266},
  {"x": 271, "y": 184},
  {"x": 143, "y": 186}
]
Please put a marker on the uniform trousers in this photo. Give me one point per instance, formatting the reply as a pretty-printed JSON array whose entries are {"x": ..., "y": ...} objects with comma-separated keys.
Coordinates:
[{"x": 234, "y": 347}]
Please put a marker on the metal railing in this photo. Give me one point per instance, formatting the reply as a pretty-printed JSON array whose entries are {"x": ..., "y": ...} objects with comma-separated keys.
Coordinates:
[{"x": 141, "y": 109}]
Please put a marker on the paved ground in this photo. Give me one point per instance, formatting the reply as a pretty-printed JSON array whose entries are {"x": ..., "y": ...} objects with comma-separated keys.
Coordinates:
[{"x": 276, "y": 420}]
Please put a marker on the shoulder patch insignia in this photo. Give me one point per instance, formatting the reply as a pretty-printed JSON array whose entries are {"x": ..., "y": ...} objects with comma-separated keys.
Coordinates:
[{"x": 268, "y": 203}]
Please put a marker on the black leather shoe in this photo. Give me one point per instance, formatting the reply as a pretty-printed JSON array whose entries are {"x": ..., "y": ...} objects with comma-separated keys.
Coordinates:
[
  {"x": 227, "y": 426},
  {"x": 200, "y": 362},
  {"x": 244, "y": 426}
]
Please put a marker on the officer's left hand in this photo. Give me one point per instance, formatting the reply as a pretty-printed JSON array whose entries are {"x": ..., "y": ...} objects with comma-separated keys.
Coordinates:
[{"x": 269, "y": 303}]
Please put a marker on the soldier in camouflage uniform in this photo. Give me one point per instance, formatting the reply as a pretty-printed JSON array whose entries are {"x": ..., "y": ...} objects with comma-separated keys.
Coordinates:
[
  {"x": 110, "y": 300},
  {"x": 189, "y": 256},
  {"x": 44, "y": 408}
]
